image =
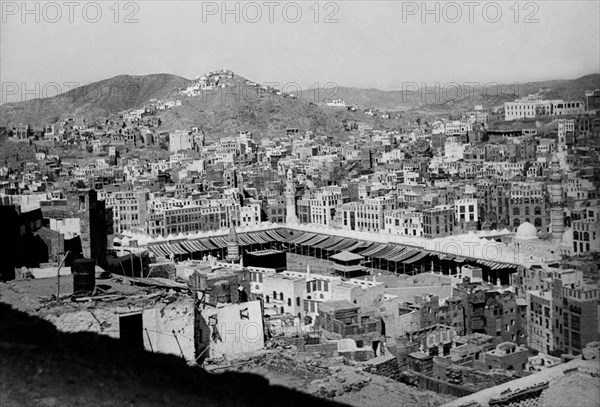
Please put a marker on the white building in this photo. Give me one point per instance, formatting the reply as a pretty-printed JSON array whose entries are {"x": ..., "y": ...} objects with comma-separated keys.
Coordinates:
[
  {"x": 180, "y": 140},
  {"x": 466, "y": 210}
]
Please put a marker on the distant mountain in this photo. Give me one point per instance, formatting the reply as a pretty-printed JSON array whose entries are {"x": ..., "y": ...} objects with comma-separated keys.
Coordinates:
[
  {"x": 97, "y": 99},
  {"x": 436, "y": 98},
  {"x": 243, "y": 106}
]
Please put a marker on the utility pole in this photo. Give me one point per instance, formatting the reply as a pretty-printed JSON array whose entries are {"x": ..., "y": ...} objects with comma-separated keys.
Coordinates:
[{"x": 58, "y": 275}]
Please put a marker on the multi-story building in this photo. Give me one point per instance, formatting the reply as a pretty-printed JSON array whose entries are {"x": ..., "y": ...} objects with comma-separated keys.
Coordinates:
[
  {"x": 250, "y": 214},
  {"x": 492, "y": 200},
  {"x": 367, "y": 216},
  {"x": 183, "y": 217},
  {"x": 276, "y": 209},
  {"x": 586, "y": 235},
  {"x": 540, "y": 321},
  {"x": 533, "y": 106},
  {"x": 129, "y": 209},
  {"x": 528, "y": 204},
  {"x": 438, "y": 221},
  {"x": 466, "y": 213},
  {"x": 283, "y": 294},
  {"x": 492, "y": 311},
  {"x": 575, "y": 316},
  {"x": 303, "y": 210},
  {"x": 324, "y": 205},
  {"x": 405, "y": 222}
]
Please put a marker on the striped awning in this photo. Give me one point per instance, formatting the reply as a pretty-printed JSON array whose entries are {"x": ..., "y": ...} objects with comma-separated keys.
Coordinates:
[
  {"x": 373, "y": 249},
  {"x": 304, "y": 237},
  {"x": 191, "y": 246},
  {"x": 276, "y": 236},
  {"x": 219, "y": 241},
  {"x": 260, "y": 237},
  {"x": 329, "y": 242},
  {"x": 315, "y": 240},
  {"x": 157, "y": 251},
  {"x": 174, "y": 248},
  {"x": 395, "y": 251},
  {"x": 407, "y": 254},
  {"x": 495, "y": 265},
  {"x": 444, "y": 256},
  {"x": 399, "y": 254},
  {"x": 358, "y": 245},
  {"x": 245, "y": 240},
  {"x": 416, "y": 258},
  {"x": 343, "y": 245},
  {"x": 382, "y": 254}
]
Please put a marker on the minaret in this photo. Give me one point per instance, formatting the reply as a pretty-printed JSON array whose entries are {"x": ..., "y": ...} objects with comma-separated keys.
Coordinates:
[
  {"x": 290, "y": 198},
  {"x": 233, "y": 244},
  {"x": 557, "y": 202}
]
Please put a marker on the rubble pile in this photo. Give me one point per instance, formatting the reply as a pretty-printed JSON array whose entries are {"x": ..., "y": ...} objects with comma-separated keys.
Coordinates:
[
  {"x": 387, "y": 369},
  {"x": 340, "y": 381}
]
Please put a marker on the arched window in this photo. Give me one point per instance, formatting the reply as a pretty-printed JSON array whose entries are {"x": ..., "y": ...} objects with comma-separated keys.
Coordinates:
[
  {"x": 527, "y": 210},
  {"x": 537, "y": 223},
  {"x": 516, "y": 211},
  {"x": 586, "y": 237},
  {"x": 267, "y": 299},
  {"x": 281, "y": 296},
  {"x": 516, "y": 223},
  {"x": 575, "y": 235},
  {"x": 537, "y": 210}
]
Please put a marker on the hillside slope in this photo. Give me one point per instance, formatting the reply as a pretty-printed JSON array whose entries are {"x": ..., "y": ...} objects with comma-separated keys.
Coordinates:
[
  {"x": 435, "y": 97},
  {"x": 91, "y": 101}
]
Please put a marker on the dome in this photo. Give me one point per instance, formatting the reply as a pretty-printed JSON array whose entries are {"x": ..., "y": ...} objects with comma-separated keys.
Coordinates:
[{"x": 526, "y": 232}]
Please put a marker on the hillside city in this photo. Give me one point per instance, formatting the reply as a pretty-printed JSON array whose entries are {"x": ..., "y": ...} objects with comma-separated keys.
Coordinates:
[{"x": 443, "y": 258}]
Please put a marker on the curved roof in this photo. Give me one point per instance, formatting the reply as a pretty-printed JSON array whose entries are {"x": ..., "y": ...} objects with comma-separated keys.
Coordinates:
[{"x": 526, "y": 232}]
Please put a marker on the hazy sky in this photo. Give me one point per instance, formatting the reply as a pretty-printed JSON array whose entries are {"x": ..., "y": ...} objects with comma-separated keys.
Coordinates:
[{"x": 380, "y": 44}]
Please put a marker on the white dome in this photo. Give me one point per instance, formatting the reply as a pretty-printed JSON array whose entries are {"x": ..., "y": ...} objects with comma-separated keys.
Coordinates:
[{"x": 526, "y": 232}]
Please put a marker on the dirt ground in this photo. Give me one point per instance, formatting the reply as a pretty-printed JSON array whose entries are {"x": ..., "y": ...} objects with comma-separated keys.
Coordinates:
[{"x": 335, "y": 379}]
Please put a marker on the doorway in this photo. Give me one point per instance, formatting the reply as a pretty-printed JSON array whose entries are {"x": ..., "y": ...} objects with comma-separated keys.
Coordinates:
[{"x": 131, "y": 327}]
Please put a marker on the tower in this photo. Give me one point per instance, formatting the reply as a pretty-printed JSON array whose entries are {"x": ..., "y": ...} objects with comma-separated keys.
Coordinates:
[
  {"x": 556, "y": 202},
  {"x": 290, "y": 198},
  {"x": 233, "y": 244}
]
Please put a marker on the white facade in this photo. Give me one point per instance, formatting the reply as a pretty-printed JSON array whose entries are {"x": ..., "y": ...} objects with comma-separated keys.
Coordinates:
[
  {"x": 466, "y": 210},
  {"x": 180, "y": 141}
]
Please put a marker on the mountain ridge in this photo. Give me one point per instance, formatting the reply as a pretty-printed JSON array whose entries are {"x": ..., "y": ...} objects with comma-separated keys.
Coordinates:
[{"x": 247, "y": 107}]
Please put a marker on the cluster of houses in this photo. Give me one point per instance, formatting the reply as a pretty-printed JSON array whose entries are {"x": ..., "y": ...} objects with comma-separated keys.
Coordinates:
[{"x": 221, "y": 219}]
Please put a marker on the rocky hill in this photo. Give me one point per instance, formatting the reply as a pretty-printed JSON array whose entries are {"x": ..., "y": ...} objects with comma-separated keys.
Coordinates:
[
  {"x": 452, "y": 98},
  {"x": 238, "y": 104},
  {"x": 91, "y": 101}
]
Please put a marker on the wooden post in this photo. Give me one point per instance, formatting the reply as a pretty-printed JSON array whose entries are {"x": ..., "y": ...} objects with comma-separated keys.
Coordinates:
[
  {"x": 177, "y": 340},
  {"x": 58, "y": 275},
  {"x": 149, "y": 341}
]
